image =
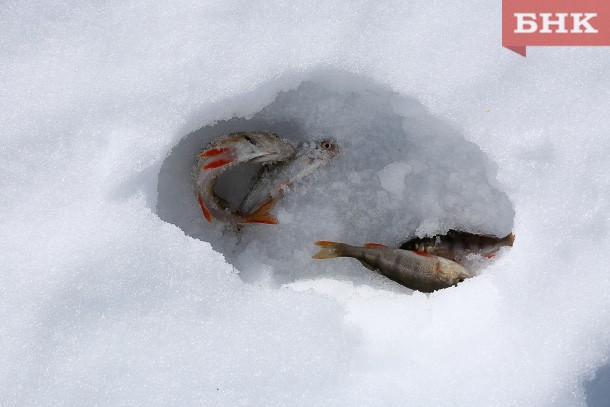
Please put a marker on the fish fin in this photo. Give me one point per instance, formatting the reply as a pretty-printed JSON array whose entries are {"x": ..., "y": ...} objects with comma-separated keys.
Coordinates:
[
  {"x": 204, "y": 208},
  {"x": 325, "y": 243},
  {"x": 490, "y": 256},
  {"x": 262, "y": 215},
  {"x": 329, "y": 249},
  {"x": 368, "y": 266},
  {"x": 409, "y": 244},
  {"x": 217, "y": 163},
  {"x": 509, "y": 239},
  {"x": 214, "y": 152},
  {"x": 422, "y": 253},
  {"x": 217, "y": 157},
  {"x": 374, "y": 245}
]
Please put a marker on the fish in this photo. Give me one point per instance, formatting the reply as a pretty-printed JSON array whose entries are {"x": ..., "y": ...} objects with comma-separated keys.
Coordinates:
[
  {"x": 457, "y": 245},
  {"x": 310, "y": 156},
  {"x": 230, "y": 150},
  {"x": 415, "y": 270}
]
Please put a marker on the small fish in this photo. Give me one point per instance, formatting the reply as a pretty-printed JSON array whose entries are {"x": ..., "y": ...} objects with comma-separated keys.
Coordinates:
[
  {"x": 230, "y": 150},
  {"x": 415, "y": 270},
  {"x": 456, "y": 245},
  {"x": 309, "y": 158}
]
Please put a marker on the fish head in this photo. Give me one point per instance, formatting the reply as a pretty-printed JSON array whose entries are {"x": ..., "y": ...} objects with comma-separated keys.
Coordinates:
[
  {"x": 323, "y": 150},
  {"x": 328, "y": 148},
  {"x": 452, "y": 271},
  {"x": 313, "y": 154}
]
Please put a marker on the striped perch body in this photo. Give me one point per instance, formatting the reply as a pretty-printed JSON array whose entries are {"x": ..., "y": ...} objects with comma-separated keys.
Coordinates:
[{"x": 456, "y": 245}]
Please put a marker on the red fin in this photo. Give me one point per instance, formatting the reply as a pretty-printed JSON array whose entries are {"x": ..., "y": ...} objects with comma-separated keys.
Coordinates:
[
  {"x": 214, "y": 151},
  {"x": 217, "y": 157},
  {"x": 217, "y": 163},
  {"x": 329, "y": 250},
  {"x": 205, "y": 210},
  {"x": 422, "y": 253},
  {"x": 373, "y": 245},
  {"x": 262, "y": 215},
  {"x": 490, "y": 256},
  {"x": 325, "y": 243}
]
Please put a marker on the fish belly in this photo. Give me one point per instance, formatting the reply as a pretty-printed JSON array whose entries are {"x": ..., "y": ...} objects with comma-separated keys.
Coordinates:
[{"x": 404, "y": 267}]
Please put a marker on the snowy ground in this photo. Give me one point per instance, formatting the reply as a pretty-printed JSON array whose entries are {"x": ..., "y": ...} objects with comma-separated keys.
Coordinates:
[{"x": 114, "y": 291}]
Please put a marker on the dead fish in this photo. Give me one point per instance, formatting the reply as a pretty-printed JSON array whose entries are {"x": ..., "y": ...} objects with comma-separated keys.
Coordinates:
[
  {"x": 456, "y": 245},
  {"x": 309, "y": 158},
  {"x": 230, "y": 150},
  {"x": 415, "y": 270}
]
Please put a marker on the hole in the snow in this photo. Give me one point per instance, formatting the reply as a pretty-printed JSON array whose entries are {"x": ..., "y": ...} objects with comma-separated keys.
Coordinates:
[
  {"x": 598, "y": 388},
  {"x": 401, "y": 172}
]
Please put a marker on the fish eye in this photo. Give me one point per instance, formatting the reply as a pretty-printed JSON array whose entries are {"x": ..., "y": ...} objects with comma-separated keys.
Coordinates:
[{"x": 326, "y": 145}]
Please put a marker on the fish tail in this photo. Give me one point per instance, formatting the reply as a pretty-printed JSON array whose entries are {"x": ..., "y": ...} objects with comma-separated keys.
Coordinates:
[
  {"x": 509, "y": 239},
  {"x": 329, "y": 250},
  {"x": 262, "y": 215},
  {"x": 206, "y": 212}
]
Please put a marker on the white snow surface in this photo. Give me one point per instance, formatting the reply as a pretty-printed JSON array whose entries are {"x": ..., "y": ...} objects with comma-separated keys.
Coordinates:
[{"x": 115, "y": 291}]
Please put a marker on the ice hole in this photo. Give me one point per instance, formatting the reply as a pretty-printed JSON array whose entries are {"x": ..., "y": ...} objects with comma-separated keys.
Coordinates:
[{"x": 401, "y": 172}]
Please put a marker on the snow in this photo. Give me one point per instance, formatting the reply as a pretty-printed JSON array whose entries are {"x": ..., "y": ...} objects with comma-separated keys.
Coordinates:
[
  {"x": 392, "y": 178},
  {"x": 115, "y": 291}
]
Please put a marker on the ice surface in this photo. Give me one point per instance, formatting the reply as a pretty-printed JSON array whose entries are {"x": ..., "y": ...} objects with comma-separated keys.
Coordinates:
[{"x": 113, "y": 291}]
